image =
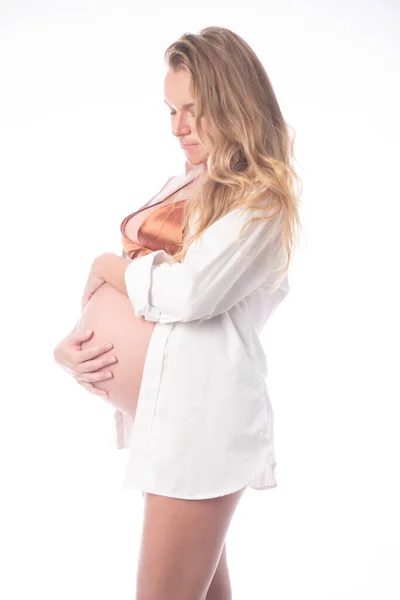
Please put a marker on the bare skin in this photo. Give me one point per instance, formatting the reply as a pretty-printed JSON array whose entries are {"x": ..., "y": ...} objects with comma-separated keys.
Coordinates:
[
  {"x": 90, "y": 365},
  {"x": 220, "y": 586},
  {"x": 86, "y": 366},
  {"x": 183, "y": 550}
]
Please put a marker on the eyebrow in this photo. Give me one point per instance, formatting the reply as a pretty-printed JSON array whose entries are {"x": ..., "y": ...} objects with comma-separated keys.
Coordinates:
[{"x": 185, "y": 106}]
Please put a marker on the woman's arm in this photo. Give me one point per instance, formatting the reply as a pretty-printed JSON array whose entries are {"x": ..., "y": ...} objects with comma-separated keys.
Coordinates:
[
  {"x": 215, "y": 274},
  {"x": 111, "y": 268}
]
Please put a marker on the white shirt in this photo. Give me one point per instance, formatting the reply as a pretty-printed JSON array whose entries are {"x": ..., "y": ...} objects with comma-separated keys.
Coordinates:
[{"x": 204, "y": 421}]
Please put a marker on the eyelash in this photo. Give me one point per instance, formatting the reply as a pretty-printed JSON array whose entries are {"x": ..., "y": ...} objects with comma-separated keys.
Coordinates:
[{"x": 174, "y": 113}]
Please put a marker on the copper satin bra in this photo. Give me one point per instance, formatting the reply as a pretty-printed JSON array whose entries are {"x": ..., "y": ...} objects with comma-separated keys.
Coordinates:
[{"x": 160, "y": 230}]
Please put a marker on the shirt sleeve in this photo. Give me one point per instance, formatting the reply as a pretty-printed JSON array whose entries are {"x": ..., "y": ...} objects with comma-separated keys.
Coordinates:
[{"x": 216, "y": 273}]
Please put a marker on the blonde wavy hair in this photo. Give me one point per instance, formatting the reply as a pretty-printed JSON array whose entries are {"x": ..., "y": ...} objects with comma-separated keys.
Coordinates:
[{"x": 250, "y": 160}]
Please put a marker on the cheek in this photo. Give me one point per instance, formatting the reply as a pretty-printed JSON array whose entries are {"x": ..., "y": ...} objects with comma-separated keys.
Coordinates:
[
  {"x": 205, "y": 124},
  {"x": 206, "y": 128}
]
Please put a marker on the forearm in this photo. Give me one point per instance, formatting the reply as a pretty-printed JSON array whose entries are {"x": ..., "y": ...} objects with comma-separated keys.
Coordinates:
[{"x": 111, "y": 268}]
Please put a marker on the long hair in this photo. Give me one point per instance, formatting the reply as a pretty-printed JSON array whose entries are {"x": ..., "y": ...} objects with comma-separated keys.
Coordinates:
[{"x": 250, "y": 159}]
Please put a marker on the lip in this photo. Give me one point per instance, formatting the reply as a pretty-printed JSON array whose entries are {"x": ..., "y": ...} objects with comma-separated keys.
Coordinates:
[{"x": 188, "y": 145}]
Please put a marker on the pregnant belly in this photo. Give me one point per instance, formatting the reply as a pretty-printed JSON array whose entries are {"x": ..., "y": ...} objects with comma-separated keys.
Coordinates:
[{"x": 110, "y": 314}]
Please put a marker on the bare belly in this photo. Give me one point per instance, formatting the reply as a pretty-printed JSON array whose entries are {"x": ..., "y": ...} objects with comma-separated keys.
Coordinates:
[{"x": 110, "y": 314}]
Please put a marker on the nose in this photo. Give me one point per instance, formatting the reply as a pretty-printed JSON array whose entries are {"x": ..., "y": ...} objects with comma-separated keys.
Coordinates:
[{"x": 180, "y": 125}]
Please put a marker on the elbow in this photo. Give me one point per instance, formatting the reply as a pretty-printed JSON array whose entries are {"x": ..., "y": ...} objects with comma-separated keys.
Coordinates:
[
  {"x": 189, "y": 304},
  {"x": 197, "y": 307},
  {"x": 191, "y": 311},
  {"x": 188, "y": 307}
]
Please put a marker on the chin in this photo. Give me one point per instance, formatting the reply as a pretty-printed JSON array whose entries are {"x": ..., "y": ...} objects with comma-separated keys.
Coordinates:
[
  {"x": 194, "y": 161},
  {"x": 196, "y": 158}
]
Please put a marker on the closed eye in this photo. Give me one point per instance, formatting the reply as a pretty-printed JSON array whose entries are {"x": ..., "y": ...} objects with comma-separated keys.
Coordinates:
[{"x": 174, "y": 113}]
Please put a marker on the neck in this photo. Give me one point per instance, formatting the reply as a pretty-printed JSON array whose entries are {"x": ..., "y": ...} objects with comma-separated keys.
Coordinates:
[{"x": 189, "y": 168}]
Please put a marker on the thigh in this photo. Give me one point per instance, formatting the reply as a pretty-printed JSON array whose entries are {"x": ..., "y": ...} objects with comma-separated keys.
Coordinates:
[
  {"x": 181, "y": 544},
  {"x": 220, "y": 586}
]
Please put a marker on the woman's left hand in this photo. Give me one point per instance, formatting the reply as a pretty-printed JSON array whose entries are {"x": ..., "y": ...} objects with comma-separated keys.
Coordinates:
[{"x": 94, "y": 281}]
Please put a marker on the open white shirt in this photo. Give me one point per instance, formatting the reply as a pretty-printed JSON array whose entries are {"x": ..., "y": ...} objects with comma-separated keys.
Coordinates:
[{"x": 204, "y": 421}]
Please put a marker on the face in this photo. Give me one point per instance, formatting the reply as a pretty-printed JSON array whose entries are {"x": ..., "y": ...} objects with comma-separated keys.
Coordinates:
[{"x": 182, "y": 109}]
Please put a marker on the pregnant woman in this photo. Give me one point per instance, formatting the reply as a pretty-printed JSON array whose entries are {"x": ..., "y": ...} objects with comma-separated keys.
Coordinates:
[
  {"x": 109, "y": 313},
  {"x": 204, "y": 265}
]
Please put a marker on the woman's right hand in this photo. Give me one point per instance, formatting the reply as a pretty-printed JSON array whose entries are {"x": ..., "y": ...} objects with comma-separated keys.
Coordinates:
[{"x": 86, "y": 366}]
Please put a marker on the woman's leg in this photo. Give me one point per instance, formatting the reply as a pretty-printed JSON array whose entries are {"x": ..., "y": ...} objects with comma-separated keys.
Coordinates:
[
  {"x": 220, "y": 586},
  {"x": 181, "y": 545}
]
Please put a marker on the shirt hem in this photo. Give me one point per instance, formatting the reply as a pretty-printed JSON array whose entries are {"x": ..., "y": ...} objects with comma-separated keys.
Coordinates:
[{"x": 263, "y": 479}]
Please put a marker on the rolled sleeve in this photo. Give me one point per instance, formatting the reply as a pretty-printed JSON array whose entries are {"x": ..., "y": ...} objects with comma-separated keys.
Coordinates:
[
  {"x": 215, "y": 274},
  {"x": 158, "y": 291}
]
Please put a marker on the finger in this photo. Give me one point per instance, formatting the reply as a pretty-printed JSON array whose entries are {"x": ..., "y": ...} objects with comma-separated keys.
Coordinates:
[
  {"x": 95, "y": 376},
  {"x": 93, "y": 352},
  {"x": 95, "y": 364},
  {"x": 93, "y": 389},
  {"x": 81, "y": 336}
]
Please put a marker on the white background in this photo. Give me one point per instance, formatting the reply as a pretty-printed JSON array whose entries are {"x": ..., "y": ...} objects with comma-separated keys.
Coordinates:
[{"x": 85, "y": 139}]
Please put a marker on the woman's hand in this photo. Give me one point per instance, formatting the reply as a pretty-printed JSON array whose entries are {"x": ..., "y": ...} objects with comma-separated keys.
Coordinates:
[
  {"x": 86, "y": 366},
  {"x": 93, "y": 283}
]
